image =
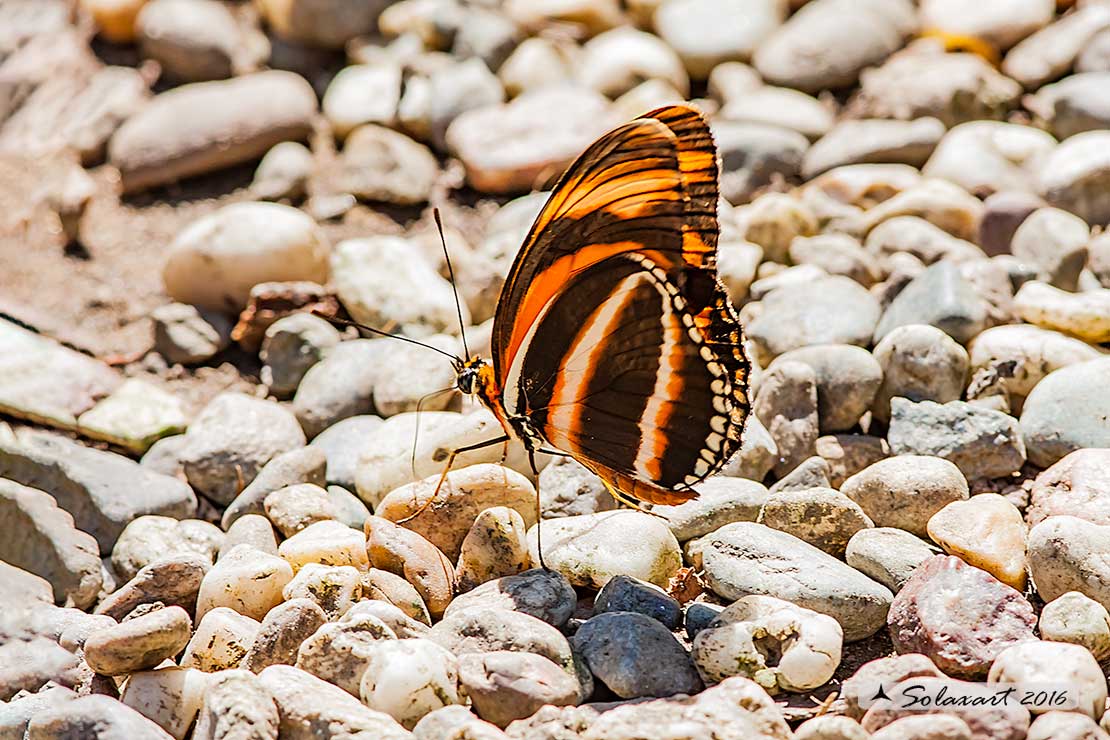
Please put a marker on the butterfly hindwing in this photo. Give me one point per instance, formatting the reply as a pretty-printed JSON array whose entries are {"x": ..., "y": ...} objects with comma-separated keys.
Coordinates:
[{"x": 613, "y": 336}]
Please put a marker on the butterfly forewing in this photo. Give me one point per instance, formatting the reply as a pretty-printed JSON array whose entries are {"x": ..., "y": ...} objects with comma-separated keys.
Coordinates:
[{"x": 612, "y": 336}]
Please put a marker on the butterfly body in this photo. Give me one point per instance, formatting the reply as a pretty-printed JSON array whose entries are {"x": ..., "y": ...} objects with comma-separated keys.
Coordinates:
[{"x": 613, "y": 342}]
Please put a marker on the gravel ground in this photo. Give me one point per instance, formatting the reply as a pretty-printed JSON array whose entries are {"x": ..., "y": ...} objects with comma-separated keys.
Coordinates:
[{"x": 205, "y": 490}]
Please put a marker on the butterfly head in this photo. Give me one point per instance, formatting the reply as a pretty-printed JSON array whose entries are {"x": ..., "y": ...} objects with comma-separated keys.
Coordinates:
[{"x": 473, "y": 375}]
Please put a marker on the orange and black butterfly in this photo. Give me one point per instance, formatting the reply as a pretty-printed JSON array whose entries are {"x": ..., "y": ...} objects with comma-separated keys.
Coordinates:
[{"x": 613, "y": 342}]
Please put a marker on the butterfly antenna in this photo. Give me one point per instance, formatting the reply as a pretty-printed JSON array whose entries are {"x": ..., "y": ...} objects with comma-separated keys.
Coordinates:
[
  {"x": 454, "y": 288},
  {"x": 379, "y": 332},
  {"x": 416, "y": 429}
]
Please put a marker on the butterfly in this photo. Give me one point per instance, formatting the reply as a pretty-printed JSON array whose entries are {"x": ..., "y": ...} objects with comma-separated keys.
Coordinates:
[{"x": 613, "y": 342}]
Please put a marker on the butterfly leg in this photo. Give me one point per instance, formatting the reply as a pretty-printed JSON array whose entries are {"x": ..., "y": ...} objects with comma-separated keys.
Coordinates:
[
  {"x": 447, "y": 469},
  {"x": 539, "y": 511}
]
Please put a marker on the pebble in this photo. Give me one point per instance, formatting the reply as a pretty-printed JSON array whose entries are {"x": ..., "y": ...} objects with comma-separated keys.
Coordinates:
[
  {"x": 1031, "y": 352},
  {"x": 405, "y": 553},
  {"x": 831, "y": 310},
  {"x": 465, "y": 493},
  {"x": 244, "y": 579},
  {"x": 592, "y": 548},
  {"x": 616, "y": 61},
  {"x": 758, "y": 452},
  {"x": 730, "y": 80},
  {"x": 228, "y": 122},
  {"x": 221, "y": 641},
  {"x": 831, "y": 727},
  {"x": 505, "y": 686},
  {"x": 959, "y": 616},
  {"x": 813, "y": 472},
  {"x": 1085, "y": 315},
  {"x": 1073, "y": 105},
  {"x": 1054, "y": 662},
  {"x": 753, "y": 155},
  {"x": 721, "y": 500},
  {"x": 495, "y": 546},
  {"x": 187, "y": 335},
  {"x": 93, "y": 715},
  {"x": 737, "y": 262},
  {"x": 938, "y": 297},
  {"x": 1062, "y": 413},
  {"x": 906, "y": 490},
  {"x": 886, "y": 671},
  {"x": 149, "y": 539},
  {"x": 634, "y": 656},
  {"x": 951, "y": 87},
  {"x": 929, "y": 727},
  {"x": 341, "y": 443},
  {"x": 593, "y": 16},
  {"x": 114, "y": 20},
  {"x": 348, "y": 508},
  {"x": 299, "y": 465},
  {"x": 537, "y": 62},
  {"x": 823, "y": 517},
  {"x": 1055, "y": 242},
  {"x": 236, "y": 704},
  {"x": 847, "y": 380},
  {"x": 987, "y": 157},
  {"x": 340, "y": 652},
  {"x": 339, "y": 386},
  {"x": 1001, "y": 24},
  {"x": 310, "y": 708},
  {"x": 326, "y": 542},
  {"x": 230, "y": 441},
  {"x": 782, "y": 106},
  {"x": 544, "y": 594},
  {"x": 488, "y": 630},
  {"x": 789, "y": 276},
  {"x": 786, "y": 404},
  {"x": 295, "y": 507},
  {"x": 377, "y": 278},
  {"x": 283, "y": 172},
  {"x": 873, "y": 142},
  {"x": 195, "y": 41},
  {"x": 134, "y": 417},
  {"x": 455, "y": 719},
  {"x": 1073, "y": 177},
  {"x": 281, "y": 633},
  {"x": 918, "y": 362},
  {"x": 746, "y": 558},
  {"x": 291, "y": 346},
  {"x": 1065, "y": 726},
  {"x": 1051, "y": 51},
  {"x": 173, "y": 580},
  {"x": 901, "y": 236},
  {"x": 626, "y": 594},
  {"x": 808, "y": 52},
  {"x": 138, "y": 643},
  {"x": 887, "y": 555},
  {"x": 361, "y": 94},
  {"x": 334, "y": 588},
  {"x": 170, "y": 696},
  {"x": 43, "y": 540},
  {"x": 407, "y": 679},
  {"x": 986, "y": 531},
  {"x": 773, "y": 221},
  {"x": 381, "y": 585},
  {"x": 943, "y": 204},
  {"x": 568, "y": 488},
  {"x": 1064, "y": 555},
  {"x": 329, "y": 26},
  {"x": 50, "y": 383},
  {"x": 379, "y": 165},
  {"x": 86, "y": 482},
  {"x": 982, "y": 442},
  {"x": 1079, "y": 620},
  {"x": 780, "y": 646},
  {"x": 507, "y": 148},
  {"x": 706, "y": 33},
  {"x": 1003, "y": 213},
  {"x": 836, "y": 254},
  {"x": 1074, "y": 486}
]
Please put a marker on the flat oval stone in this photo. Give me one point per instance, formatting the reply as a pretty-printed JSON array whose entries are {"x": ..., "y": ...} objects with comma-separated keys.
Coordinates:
[{"x": 747, "y": 558}]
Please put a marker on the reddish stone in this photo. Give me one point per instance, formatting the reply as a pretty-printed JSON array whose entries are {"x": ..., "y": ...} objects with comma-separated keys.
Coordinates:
[{"x": 959, "y": 616}]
